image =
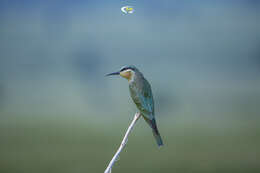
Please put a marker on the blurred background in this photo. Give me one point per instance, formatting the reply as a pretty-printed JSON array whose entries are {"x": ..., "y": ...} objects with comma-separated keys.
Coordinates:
[{"x": 58, "y": 113}]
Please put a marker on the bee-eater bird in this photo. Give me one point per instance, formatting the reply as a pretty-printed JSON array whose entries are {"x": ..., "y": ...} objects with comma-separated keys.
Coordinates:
[{"x": 142, "y": 96}]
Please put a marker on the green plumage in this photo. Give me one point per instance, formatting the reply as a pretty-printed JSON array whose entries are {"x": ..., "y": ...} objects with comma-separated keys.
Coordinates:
[
  {"x": 141, "y": 93},
  {"x": 142, "y": 96}
]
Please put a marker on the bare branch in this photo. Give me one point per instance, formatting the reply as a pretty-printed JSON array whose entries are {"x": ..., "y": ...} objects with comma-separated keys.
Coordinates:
[{"x": 123, "y": 143}]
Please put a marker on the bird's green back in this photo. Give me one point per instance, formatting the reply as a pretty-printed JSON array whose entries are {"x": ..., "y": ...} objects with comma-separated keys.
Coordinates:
[{"x": 142, "y": 96}]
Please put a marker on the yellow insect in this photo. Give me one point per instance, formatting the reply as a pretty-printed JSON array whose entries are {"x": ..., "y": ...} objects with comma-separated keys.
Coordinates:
[{"x": 127, "y": 9}]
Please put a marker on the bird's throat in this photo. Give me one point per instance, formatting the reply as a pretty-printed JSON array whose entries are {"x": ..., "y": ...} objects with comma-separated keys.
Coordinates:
[{"x": 127, "y": 75}]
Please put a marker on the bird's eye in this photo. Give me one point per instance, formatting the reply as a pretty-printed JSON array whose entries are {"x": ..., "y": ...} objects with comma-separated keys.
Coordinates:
[{"x": 123, "y": 69}]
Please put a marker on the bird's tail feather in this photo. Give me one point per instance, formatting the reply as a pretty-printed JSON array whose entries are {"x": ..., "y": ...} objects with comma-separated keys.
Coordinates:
[
  {"x": 158, "y": 138},
  {"x": 156, "y": 134}
]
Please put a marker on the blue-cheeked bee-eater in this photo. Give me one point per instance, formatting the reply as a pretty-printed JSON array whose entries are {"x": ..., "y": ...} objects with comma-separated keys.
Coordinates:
[{"x": 142, "y": 96}]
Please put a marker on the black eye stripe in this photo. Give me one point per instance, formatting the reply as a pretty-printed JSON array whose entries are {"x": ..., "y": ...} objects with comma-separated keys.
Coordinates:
[
  {"x": 126, "y": 68},
  {"x": 123, "y": 69}
]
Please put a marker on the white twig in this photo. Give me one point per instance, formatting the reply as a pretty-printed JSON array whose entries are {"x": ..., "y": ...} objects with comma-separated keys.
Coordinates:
[{"x": 123, "y": 143}]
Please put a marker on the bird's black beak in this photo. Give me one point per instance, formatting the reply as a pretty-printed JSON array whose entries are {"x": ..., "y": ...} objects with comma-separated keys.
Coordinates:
[{"x": 115, "y": 73}]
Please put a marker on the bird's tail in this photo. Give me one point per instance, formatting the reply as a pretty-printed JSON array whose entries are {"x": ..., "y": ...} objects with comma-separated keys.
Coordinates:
[{"x": 156, "y": 134}]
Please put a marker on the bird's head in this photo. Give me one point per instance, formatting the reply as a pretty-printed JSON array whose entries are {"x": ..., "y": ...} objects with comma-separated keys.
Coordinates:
[{"x": 127, "y": 72}]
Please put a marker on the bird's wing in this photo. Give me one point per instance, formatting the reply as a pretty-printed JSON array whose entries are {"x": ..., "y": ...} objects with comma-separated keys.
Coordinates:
[{"x": 143, "y": 98}]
